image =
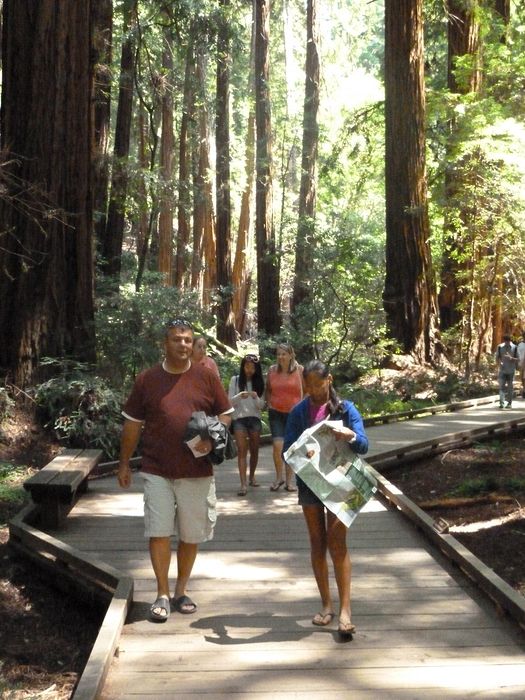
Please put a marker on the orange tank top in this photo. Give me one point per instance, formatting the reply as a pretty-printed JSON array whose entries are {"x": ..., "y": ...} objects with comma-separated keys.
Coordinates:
[{"x": 286, "y": 389}]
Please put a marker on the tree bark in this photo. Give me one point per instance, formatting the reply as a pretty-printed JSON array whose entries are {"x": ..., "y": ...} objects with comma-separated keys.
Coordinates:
[
  {"x": 114, "y": 234},
  {"x": 225, "y": 321},
  {"x": 165, "y": 257},
  {"x": 204, "y": 276},
  {"x": 306, "y": 225},
  {"x": 182, "y": 259},
  {"x": 503, "y": 9},
  {"x": 268, "y": 306},
  {"x": 409, "y": 296},
  {"x": 102, "y": 19},
  {"x": 463, "y": 40},
  {"x": 242, "y": 273},
  {"x": 46, "y": 261}
]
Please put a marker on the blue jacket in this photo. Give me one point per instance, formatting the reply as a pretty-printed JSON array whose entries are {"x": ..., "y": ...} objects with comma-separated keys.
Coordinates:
[{"x": 298, "y": 422}]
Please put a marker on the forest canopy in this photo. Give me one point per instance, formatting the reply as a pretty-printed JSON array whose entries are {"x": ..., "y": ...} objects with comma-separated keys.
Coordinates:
[{"x": 346, "y": 175}]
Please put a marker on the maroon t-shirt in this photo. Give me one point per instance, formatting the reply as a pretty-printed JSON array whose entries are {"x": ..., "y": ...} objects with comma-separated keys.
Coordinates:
[{"x": 165, "y": 402}]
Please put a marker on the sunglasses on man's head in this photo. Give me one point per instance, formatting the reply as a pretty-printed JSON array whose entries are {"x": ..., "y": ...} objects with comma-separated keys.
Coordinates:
[
  {"x": 251, "y": 358},
  {"x": 179, "y": 322}
]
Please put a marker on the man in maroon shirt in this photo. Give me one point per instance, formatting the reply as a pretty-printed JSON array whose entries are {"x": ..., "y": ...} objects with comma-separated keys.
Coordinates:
[{"x": 179, "y": 487}]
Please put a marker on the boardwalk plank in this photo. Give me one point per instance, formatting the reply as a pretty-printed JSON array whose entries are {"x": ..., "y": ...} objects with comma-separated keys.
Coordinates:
[
  {"x": 448, "y": 676},
  {"x": 424, "y": 630}
]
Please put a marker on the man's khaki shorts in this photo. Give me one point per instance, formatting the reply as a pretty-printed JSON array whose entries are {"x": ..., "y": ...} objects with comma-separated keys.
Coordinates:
[{"x": 184, "y": 507}]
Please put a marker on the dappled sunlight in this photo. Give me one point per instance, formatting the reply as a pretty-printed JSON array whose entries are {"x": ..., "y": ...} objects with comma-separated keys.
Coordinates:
[
  {"x": 211, "y": 565},
  {"x": 488, "y": 524},
  {"x": 121, "y": 503},
  {"x": 373, "y": 506},
  {"x": 448, "y": 674}
]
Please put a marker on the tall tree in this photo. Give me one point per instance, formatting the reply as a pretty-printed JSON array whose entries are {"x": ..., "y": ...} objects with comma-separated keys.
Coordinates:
[
  {"x": 502, "y": 7},
  {"x": 114, "y": 232},
  {"x": 268, "y": 306},
  {"x": 182, "y": 267},
  {"x": 307, "y": 194},
  {"x": 46, "y": 263},
  {"x": 203, "y": 271},
  {"x": 408, "y": 296},
  {"x": 463, "y": 40},
  {"x": 242, "y": 273},
  {"x": 102, "y": 54},
  {"x": 167, "y": 139},
  {"x": 225, "y": 320}
]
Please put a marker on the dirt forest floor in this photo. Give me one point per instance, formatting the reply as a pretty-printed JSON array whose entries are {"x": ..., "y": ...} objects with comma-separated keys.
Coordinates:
[
  {"x": 45, "y": 639},
  {"x": 480, "y": 492}
]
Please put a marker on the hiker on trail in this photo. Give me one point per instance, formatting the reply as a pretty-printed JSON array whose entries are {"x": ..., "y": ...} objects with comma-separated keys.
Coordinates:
[
  {"x": 521, "y": 363},
  {"x": 179, "y": 487},
  {"x": 199, "y": 356},
  {"x": 507, "y": 361},
  {"x": 327, "y": 533},
  {"x": 246, "y": 393},
  {"x": 284, "y": 389}
]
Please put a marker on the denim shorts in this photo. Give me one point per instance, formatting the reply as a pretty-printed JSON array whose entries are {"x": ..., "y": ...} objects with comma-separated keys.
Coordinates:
[
  {"x": 277, "y": 423},
  {"x": 305, "y": 495},
  {"x": 249, "y": 424}
]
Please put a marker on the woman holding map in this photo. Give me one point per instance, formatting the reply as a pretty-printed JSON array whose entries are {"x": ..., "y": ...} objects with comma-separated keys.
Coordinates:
[{"x": 327, "y": 533}]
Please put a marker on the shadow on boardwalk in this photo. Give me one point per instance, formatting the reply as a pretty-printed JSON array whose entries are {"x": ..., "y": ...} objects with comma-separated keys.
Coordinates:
[{"x": 423, "y": 630}]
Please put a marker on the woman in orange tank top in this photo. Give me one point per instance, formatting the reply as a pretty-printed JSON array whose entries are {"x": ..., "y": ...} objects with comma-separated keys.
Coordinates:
[{"x": 284, "y": 389}]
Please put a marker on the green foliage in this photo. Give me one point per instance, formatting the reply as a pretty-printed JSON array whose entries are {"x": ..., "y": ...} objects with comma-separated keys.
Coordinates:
[
  {"x": 374, "y": 403},
  {"x": 489, "y": 484},
  {"x": 130, "y": 328},
  {"x": 81, "y": 408},
  {"x": 6, "y": 404},
  {"x": 454, "y": 387},
  {"x": 12, "y": 493},
  {"x": 477, "y": 487}
]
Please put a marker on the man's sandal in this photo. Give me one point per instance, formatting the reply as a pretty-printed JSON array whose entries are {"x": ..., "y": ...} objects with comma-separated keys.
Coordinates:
[
  {"x": 160, "y": 610},
  {"x": 184, "y": 605}
]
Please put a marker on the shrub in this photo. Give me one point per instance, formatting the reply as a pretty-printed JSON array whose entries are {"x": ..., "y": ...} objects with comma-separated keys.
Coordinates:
[
  {"x": 129, "y": 328},
  {"x": 6, "y": 404},
  {"x": 81, "y": 408}
]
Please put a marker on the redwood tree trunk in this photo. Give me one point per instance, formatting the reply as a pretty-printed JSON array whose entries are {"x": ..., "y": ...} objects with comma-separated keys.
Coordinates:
[
  {"x": 409, "y": 297},
  {"x": 463, "y": 39},
  {"x": 268, "y": 306},
  {"x": 307, "y": 193},
  {"x": 46, "y": 264},
  {"x": 182, "y": 259},
  {"x": 203, "y": 276},
  {"x": 102, "y": 14},
  {"x": 166, "y": 165},
  {"x": 225, "y": 321},
  {"x": 242, "y": 273},
  {"x": 114, "y": 234}
]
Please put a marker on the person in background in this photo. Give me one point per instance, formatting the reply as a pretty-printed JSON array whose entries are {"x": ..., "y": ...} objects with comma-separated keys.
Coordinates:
[
  {"x": 246, "y": 392},
  {"x": 326, "y": 532},
  {"x": 521, "y": 363},
  {"x": 199, "y": 356},
  {"x": 179, "y": 487},
  {"x": 507, "y": 361},
  {"x": 284, "y": 389}
]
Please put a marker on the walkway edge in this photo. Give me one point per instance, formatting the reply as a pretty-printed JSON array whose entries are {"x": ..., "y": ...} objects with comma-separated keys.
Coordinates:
[
  {"x": 498, "y": 590},
  {"x": 101, "y": 579}
]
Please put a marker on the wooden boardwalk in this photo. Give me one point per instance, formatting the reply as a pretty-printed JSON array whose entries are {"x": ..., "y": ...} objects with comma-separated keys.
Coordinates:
[{"x": 423, "y": 629}]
